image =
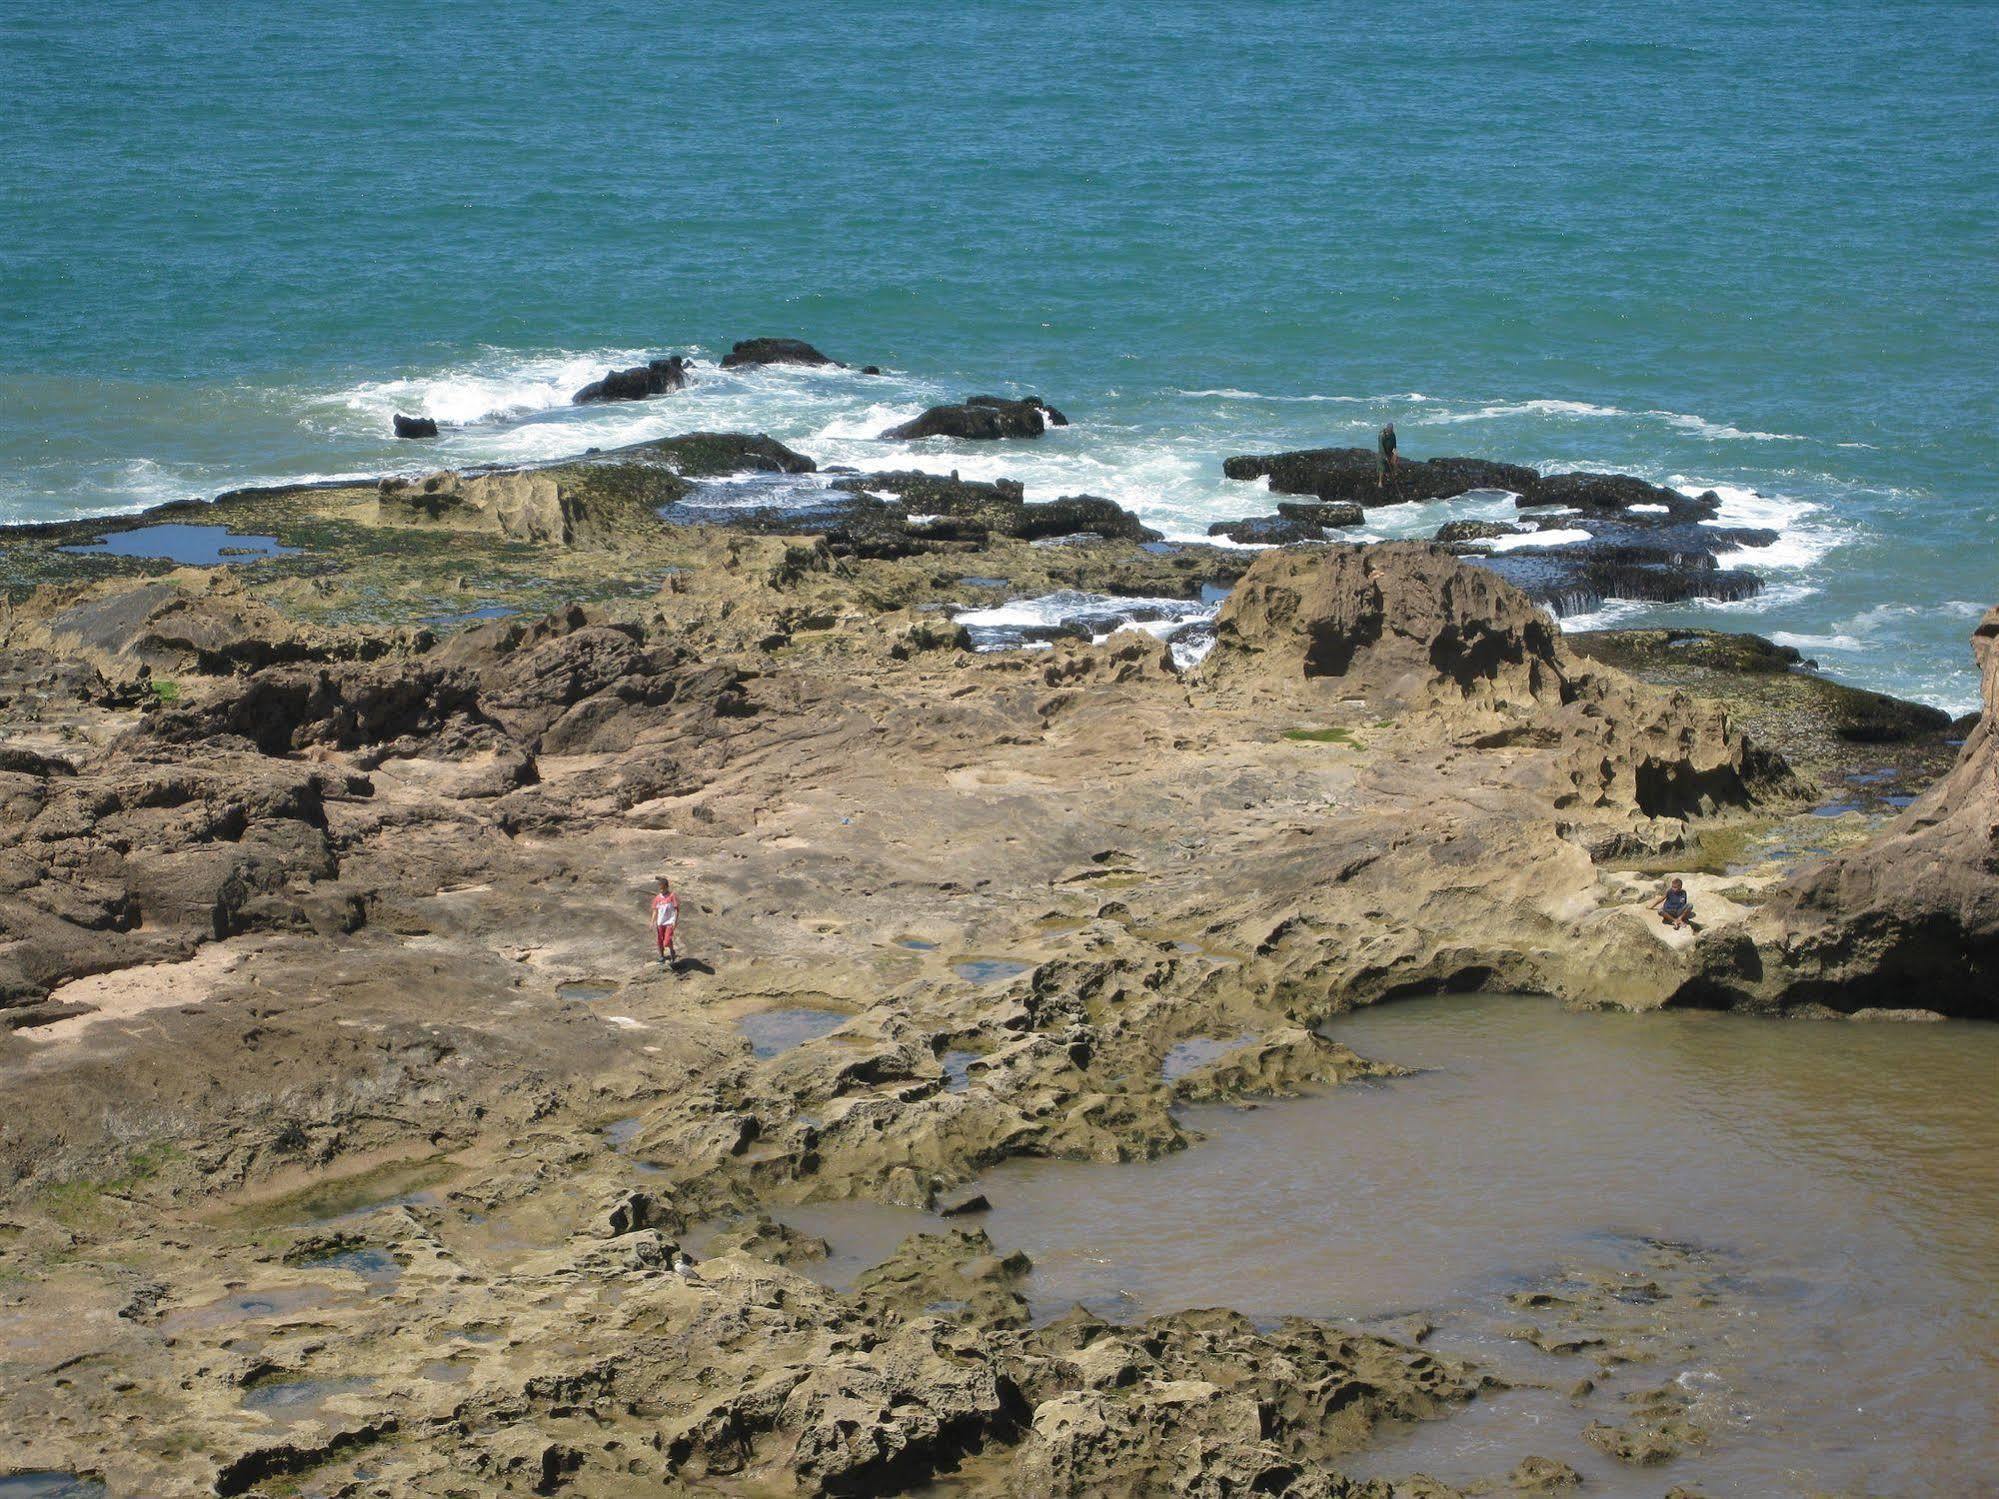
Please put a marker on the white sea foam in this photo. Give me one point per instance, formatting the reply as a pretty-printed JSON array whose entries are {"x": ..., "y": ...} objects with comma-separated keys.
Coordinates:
[
  {"x": 1533, "y": 540},
  {"x": 1702, "y": 427},
  {"x": 1229, "y": 393},
  {"x": 496, "y": 386},
  {"x": 1803, "y": 642},
  {"x": 1497, "y": 410}
]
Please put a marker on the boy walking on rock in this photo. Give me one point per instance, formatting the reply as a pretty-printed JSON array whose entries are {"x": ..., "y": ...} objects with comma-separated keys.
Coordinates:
[{"x": 665, "y": 918}]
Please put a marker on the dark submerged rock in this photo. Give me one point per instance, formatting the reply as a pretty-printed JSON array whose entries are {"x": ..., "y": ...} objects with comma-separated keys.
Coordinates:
[
  {"x": 968, "y": 510},
  {"x": 1613, "y": 492},
  {"x": 1268, "y": 530},
  {"x": 983, "y": 418},
  {"x": 654, "y": 378},
  {"x": 415, "y": 426},
  {"x": 705, "y": 454},
  {"x": 751, "y": 351}
]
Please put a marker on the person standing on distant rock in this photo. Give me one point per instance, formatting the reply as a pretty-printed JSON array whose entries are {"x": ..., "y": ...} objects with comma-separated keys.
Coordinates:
[
  {"x": 1675, "y": 907},
  {"x": 1385, "y": 467},
  {"x": 665, "y": 918}
]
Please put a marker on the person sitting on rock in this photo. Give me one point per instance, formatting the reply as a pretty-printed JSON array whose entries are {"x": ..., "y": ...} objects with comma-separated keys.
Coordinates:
[
  {"x": 665, "y": 918},
  {"x": 1675, "y": 907},
  {"x": 1385, "y": 466}
]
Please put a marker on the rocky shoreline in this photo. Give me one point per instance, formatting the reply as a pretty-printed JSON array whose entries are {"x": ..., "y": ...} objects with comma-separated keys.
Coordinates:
[{"x": 352, "y": 1141}]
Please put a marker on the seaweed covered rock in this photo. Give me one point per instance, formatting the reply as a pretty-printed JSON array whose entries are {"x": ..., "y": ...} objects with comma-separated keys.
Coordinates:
[
  {"x": 1353, "y": 475},
  {"x": 699, "y": 455},
  {"x": 655, "y": 377},
  {"x": 982, "y": 419},
  {"x": 1322, "y": 512},
  {"x": 754, "y": 351}
]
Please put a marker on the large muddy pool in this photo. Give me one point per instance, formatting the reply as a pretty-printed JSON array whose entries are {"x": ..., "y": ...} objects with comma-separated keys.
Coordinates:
[{"x": 1793, "y": 1227}]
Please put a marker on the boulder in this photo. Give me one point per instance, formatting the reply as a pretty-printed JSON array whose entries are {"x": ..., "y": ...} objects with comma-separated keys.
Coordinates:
[
  {"x": 1352, "y": 475},
  {"x": 1410, "y": 627},
  {"x": 1268, "y": 530},
  {"x": 750, "y": 351},
  {"x": 983, "y": 418},
  {"x": 415, "y": 426},
  {"x": 1910, "y": 917},
  {"x": 654, "y": 378},
  {"x": 522, "y": 505}
]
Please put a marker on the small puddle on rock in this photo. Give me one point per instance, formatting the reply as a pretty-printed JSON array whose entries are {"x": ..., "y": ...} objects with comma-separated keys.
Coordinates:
[
  {"x": 291, "y": 1400},
  {"x": 774, "y": 1031},
  {"x": 1195, "y": 1052},
  {"x": 958, "y": 1069},
  {"x": 621, "y": 1132},
  {"x": 586, "y": 991},
  {"x": 392, "y": 1184},
  {"x": 446, "y": 1371},
  {"x": 198, "y": 546},
  {"x": 250, "y": 1306},
  {"x": 47, "y": 1483},
  {"x": 916, "y": 944},
  {"x": 989, "y": 970},
  {"x": 377, "y": 1267}
]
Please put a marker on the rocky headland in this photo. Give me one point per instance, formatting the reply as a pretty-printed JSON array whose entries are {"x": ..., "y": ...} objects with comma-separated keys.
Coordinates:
[{"x": 353, "y": 1144}]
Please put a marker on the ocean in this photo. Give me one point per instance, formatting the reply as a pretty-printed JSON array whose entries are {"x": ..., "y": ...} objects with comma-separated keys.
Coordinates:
[{"x": 1753, "y": 248}]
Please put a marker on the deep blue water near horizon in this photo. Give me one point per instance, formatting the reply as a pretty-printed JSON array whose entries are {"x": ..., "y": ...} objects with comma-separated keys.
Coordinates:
[{"x": 1749, "y": 247}]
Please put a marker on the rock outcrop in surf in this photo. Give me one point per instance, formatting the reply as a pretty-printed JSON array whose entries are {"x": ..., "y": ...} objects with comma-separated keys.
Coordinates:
[
  {"x": 982, "y": 419},
  {"x": 753, "y": 351},
  {"x": 1353, "y": 475},
  {"x": 655, "y": 377}
]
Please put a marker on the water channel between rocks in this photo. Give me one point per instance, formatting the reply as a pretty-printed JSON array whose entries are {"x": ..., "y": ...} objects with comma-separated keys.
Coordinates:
[{"x": 1817, "y": 1206}]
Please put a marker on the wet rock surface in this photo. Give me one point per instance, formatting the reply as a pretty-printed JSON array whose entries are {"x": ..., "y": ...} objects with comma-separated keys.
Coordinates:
[
  {"x": 754, "y": 351},
  {"x": 656, "y": 377},
  {"x": 1353, "y": 475},
  {"x": 982, "y": 419}
]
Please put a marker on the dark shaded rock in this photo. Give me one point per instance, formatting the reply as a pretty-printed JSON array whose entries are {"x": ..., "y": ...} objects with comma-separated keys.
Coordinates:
[
  {"x": 1322, "y": 512},
  {"x": 415, "y": 426},
  {"x": 983, "y": 418},
  {"x": 751, "y": 351},
  {"x": 1458, "y": 531},
  {"x": 1267, "y": 530},
  {"x": 1655, "y": 559},
  {"x": 1612, "y": 492},
  {"x": 968, "y": 510},
  {"x": 871, "y": 369},
  {"x": 654, "y": 378},
  {"x": 1353, "y": 474}
]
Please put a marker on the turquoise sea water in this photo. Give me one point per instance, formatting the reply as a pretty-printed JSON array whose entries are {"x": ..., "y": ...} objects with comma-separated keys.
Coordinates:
[{"x": 1752, "y": 247}]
